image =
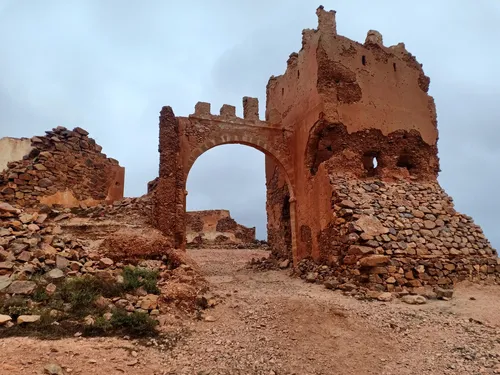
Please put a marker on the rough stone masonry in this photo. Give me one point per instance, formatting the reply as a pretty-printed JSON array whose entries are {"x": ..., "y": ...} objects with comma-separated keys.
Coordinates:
[
  {"x": 350, "y": 137},
  {"x": 64, "y": 167}
]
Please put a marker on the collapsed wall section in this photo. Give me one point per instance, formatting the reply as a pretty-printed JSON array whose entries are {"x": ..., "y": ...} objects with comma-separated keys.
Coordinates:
[
  {"x": 398, "y": 236},
  {"x": 364, "y": 108},
  {"x": 64, "y": 167},
  {"x": 216, "y": 228}
]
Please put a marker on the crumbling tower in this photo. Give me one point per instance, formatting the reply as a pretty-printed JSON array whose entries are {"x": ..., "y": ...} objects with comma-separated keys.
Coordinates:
[{"x": 364, "y": 141}]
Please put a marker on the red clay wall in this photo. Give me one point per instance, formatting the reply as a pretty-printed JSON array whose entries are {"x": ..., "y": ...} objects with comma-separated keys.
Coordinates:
[
  {"x": 347, "y": 102},
  {"x": 216, "y": 227},
  {"x": 63, "y": 167}
]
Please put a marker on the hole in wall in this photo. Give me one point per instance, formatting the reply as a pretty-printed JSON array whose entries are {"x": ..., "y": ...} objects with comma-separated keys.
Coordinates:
[
  {"x": 371, "y": 162},
  {"x": 329, "y": 148},
  {"x": 282, "y": 91},
  {"x": 298, "y": 73},
  {"x": 117, "y": 183},
  {"x": 405, "y": 161},
  {"x": 363, "y": 60},
  {"x": 394, "y": 66},
  {"x": 285, "y": 211}
]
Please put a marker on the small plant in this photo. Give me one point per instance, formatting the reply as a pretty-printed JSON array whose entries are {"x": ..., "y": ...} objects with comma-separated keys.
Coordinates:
[
  {"x": 40, "y": 295},
  {"x": 101, "y": 326},
  {"x": 135, "y": 323},
  {"x": 134, "y": 278},
  {"x": 15, "y": 306},
  {"x": 81, "y": 292}
]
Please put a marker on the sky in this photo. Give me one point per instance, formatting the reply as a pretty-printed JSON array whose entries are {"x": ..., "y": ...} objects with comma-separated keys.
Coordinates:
[{"x": 109, "y": 66}]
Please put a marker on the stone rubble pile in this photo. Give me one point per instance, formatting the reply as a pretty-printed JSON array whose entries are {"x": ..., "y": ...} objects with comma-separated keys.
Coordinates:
[
  {"x": 257, "y": 244},
  {"x": 35, "y": 255},
  {"x": 59, "y": 160},
  {"x": 401, "y": 237},
  {"x": 124, "y": 208}
]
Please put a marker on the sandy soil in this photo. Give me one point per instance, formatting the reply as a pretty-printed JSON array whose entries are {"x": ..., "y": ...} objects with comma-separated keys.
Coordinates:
[{"x": 269, "y": 323}]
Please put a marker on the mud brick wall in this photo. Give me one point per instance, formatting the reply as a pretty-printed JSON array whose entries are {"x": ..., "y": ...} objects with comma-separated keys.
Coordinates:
[
  {"x": 64, "y": 167},
  {"x": 402, "y": 235},
  {"x": 364, "y": 106},
  {"x": 216, "y": 227},
  {"x": 279, "y": 230}
]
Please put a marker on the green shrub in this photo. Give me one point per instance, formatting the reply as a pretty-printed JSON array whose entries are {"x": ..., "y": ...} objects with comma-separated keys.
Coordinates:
[
  {"x": 134, "y": 278},
  {"x": 81, "y": 292},
  {"x": 15, "y": 306},
  {"x": 135, "y": 323},
  {"x": 40, "y": 295}
]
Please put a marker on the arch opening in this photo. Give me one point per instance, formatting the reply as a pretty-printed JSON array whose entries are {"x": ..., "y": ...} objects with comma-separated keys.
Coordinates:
[
  {"x": 288, "y": 205},
  {"x": 195, "y": 154}
]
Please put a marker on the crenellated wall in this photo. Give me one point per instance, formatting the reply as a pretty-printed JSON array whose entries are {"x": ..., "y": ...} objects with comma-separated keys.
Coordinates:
[{"x": 184, "y": 139}]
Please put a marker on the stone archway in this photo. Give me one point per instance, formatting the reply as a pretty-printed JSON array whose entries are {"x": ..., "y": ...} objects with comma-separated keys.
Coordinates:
[{"x": 184, "y": 139}]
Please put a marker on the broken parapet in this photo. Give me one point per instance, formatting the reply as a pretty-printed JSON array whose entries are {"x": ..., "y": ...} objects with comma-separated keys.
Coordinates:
[
  {"x": 326, "y": 20},
  {"x": 227, "y": 112},
  {"x": 374, "y": 37},
  {"x": 250, "y": 108}
]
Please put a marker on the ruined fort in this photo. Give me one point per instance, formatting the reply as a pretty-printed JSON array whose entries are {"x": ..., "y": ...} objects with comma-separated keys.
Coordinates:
[
  {"x": 350, "y": 137},
  {"x": 94, "y": 282},
  {"x": 216, "y": 228}
]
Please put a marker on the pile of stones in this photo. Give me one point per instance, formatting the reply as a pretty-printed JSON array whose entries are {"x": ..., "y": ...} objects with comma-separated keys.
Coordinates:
[
  {"x": 36, "y": 256},
  {"x": 59, "y": 160},
  {"x": 402, "y": 236},
  {"x": 140, "y": 207},
  {"x": 396, "y": 239},
  {"x": 257, "y": 244}
]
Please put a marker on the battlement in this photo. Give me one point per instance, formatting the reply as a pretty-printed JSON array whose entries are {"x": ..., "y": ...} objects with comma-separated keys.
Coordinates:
[
  {"x": 227, "y": 112},
  {"x": 327, "y": 24},
  {"x": 326, "y": 20}
]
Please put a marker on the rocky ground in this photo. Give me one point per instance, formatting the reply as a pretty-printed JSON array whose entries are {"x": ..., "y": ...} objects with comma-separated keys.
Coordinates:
[{"x": 265, "y": 322}]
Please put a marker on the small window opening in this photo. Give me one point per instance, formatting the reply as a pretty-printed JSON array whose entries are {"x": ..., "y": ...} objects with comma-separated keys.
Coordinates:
[
  {"x": 329, "y": 148},
  {"x": 405, "y": 161},
  {"x": 394, "y": 66},
  {"x": 285, "y": 210},
  {"x": 363, "y": 59},
  {"x": 298, "y": 73},
  {"x": 371, "y": 163},
  {"x": 283, "y": 91}
]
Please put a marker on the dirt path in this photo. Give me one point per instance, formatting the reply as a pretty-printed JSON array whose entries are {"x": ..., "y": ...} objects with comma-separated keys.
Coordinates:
[{"x": 270, "y": 323}]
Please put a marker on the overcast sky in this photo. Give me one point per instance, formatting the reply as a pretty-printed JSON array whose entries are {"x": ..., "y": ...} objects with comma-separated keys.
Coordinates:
[{"x": 109, "y": 66}]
